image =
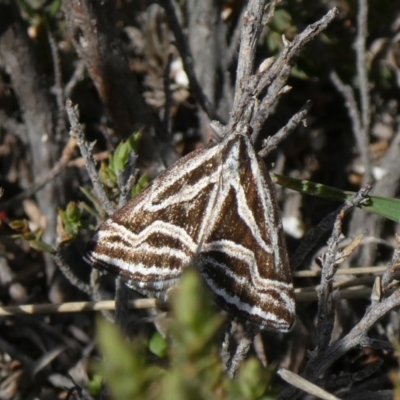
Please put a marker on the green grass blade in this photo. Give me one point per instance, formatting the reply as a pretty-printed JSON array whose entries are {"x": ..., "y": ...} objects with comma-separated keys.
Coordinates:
[{"x": 386, "y": 207}]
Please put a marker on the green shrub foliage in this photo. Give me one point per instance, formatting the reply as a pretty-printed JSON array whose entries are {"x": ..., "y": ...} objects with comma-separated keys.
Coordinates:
[{"x": 188, "y": 365}]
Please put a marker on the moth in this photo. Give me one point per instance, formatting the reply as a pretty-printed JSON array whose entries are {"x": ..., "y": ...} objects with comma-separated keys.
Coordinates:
[{"x": 215, "y": 210}]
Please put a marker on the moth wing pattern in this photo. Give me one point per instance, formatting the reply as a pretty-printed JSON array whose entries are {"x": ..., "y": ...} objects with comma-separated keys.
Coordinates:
[
  {"x": 215, "y": 209},
  {"x": 244, "y": 258},
  {"x": 151, "y": 240}
]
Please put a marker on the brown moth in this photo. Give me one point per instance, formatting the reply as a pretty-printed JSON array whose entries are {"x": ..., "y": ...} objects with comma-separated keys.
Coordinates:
[{"x": 215, "y": 210}]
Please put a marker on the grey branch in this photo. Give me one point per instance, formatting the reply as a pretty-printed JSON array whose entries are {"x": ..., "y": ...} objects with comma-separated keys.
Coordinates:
[
  {"x": 84, "y": 147},
  {"x": 272, "y": 142}
]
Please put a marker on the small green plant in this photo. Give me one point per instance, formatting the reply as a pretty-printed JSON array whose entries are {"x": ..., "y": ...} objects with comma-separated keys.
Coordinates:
[
  {"x": 70, "y": 222},
  {"x": 194, "y": 369},
  {"x": 118, "y": 161},
  {"x": 33, "y": 237}
]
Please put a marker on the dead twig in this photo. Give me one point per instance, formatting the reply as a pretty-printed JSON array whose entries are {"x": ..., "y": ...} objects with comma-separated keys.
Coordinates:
[
  {"x": 77, "y": 306},
  {"x": 187, "y": 58},
  {"x": 272, "y": 142},
  {"x": 86, "y": 151},
  {"x": 320, "y": 361},
  {"x": 48, "y": 177}
]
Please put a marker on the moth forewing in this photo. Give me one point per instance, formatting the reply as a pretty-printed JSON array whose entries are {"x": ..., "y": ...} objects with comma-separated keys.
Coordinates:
[
  {"x": 215, "y": 209},
  {"x": 151, "y": 240}
]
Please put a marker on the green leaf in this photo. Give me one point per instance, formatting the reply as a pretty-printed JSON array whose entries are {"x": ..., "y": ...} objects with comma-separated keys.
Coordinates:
[
  {"x": 119, "y": 159},
  {"x": 250, "y": 379},
  {"x": 158, "y": 345},
  {"x": 125, "y": 366},
  {"x": 55, "y": 8},
  {"x": 107, "y": 175},
  {"x": 386, "y": 207},
  {"x": 95, "y": 384},
  {"x": 142, "y": 183},
  {"x": 134, "y": 141},
  {"x": 193, "y": 366},
  {"x": 101, "y": 214},
  {"x": 274, "y": 42},
  {"x": 196, "y": 321},
  {"x": 281, "y": 21},
  {"x": 20, "y": 225},
  {"x": 69, "y": 222},
  {"x": 42, "y": 246}
]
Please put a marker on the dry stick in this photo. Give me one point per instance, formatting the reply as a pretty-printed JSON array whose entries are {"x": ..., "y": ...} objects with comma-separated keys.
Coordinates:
[
  {"x": 12, "y": 125},
  {"x": 320, "y": 362},
  {"x": 349, "y": 294},
  {"x": 250, "y": 32},
  {"x": 275, "y": 77},
  {"x": 292, "y": 50},
  {"x": 272, "y": 142},
  {"x": 187, "y": 58},
  {"x": 125, "y": 184},
  {"x": 245, "y": 100},
  {"x": 77, "y": 132},
  {"x": 349, "y": 379},
  {"x": 325, "y": 295},
  {"x": 95, "y": 284},
  {"x": 392, "y": 267},
  {"x": 357, "y": 334},
  {"x": 362, "y": 33},
  {"x": 100, "y": 305},
  {"x": 385, "y": 187},
  {"x": 232, "y": 50},
  {"x": 58, "y": 86},
  {"x": 78, "y": 306},
  {"x": 206, "y": 35},
  {"x": 306, "y": 386},
  {"x": 166, "y": 121},
  {"x": 342, "y": 271},
  {"x": 46, "y": 178},
  {"x": 76, "y": 77},
  {"x": 330, "y": 263},
  {"x": 225, "y": 346},
  {"x": 365, "y": 240},
  {"x": 360, "y": 135}
]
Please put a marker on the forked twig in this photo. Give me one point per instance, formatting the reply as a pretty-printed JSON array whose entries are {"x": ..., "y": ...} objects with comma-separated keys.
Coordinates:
[
  {"x": 272, "y": 142},
  {"x": 325, "y": 355},
  {"x": 330, "y": 262},
  {"x": 360, "y": 120},
  {"x": 86, "y": 151}
]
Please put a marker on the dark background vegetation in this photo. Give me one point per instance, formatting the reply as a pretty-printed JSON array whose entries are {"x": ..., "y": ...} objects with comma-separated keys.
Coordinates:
[{"x": 115, "y": 59}]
